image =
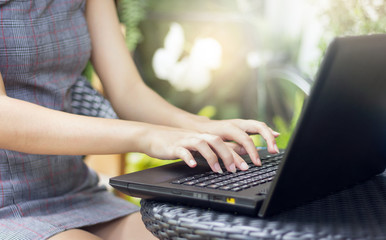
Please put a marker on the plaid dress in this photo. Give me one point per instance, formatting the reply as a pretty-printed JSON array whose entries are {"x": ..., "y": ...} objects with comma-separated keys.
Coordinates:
[{"x": 44, "y": 46}]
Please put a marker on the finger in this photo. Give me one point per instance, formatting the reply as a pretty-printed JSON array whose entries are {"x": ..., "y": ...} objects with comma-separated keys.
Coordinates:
[
  {"x": 274, "y": 133},
  {"x": 240, "y": 163},
  {"x": 186, "y": 156},
  {"x": 219, "y": 146},
  {"x": 240, "y": 150},
  {"x": 201, "y": 146},
  {"x": 252, "y": 126},
  {"x": 244, "y": 140},
  {"x": 268, "y": 136}
]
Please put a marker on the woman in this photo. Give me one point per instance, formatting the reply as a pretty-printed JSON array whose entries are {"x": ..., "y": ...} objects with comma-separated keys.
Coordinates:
[{"x": 46, "y": 191}]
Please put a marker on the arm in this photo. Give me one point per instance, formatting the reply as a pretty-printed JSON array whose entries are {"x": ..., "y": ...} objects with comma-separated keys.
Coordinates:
[
  {"x": 30, "y": 128},
  {"x": 123, "y": 86},
  {"x": 132, "y": 99}
]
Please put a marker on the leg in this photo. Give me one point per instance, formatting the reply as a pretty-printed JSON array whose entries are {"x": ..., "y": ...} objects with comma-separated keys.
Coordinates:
[
  {"x": 129, "y": 227},
  {"x": 75, "y": 234}
]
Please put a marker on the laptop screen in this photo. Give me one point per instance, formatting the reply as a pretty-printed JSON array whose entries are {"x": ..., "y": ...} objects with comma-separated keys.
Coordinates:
[{"x": 336, "y": 143}]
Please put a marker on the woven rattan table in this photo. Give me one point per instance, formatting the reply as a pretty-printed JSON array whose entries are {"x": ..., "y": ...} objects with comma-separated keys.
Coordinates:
[{"x": 355, "y": 213}]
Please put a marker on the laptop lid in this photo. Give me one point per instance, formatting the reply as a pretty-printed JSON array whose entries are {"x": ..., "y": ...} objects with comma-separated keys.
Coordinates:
[{"x": 340, "y": 138}]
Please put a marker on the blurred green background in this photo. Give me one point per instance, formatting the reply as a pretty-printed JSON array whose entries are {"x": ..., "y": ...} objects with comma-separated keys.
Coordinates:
[{"x": 225, "y": 59}]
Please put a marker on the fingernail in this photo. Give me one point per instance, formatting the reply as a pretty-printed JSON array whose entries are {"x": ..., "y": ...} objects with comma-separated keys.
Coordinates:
[
  {"x": 217, "y": 168},
  {"x": 244, "y": 166},
  {"x": 192, "y": 163},
  {"x": 232, "y": 167},
  {"x": 276, "y": 148},
  {"x": 277, "y": 133}
]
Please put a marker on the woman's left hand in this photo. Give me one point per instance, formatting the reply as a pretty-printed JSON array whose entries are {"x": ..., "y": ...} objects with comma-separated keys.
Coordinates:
[{"x": 238, "y": 130}]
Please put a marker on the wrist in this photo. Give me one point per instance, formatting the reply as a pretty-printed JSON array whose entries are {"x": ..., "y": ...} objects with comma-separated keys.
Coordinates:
[
  {"x": 141, "y": 137},
  {"x": 191, "y": 121}
]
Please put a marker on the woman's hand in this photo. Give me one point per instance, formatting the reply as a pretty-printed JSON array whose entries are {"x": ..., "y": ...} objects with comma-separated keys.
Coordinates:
[{"x": 238, "y": 130}]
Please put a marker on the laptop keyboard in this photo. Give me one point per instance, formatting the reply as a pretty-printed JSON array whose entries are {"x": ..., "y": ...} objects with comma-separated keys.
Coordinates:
[{"x": 236, "y": 181}]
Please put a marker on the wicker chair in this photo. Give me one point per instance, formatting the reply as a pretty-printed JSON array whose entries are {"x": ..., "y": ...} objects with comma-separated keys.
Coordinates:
[{"x": 355, "y": 213}]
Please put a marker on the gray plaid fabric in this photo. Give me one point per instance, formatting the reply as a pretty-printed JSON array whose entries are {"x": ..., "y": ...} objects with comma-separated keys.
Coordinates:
[{"x": 44, "y": 46}]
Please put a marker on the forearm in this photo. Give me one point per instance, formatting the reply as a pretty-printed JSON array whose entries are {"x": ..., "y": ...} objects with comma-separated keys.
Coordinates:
[
  {"x": 143, "y": 104},
  {"x": 34, "y": 129},
  {"x": 130, "y": 97}
]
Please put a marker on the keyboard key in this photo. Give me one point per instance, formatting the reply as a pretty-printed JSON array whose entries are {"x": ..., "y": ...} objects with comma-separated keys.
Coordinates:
[
  {"x": 203, "y": 184},
  {"x": 225, "y": 188},
  {"x": 190, "y": 183},
  {"x": 236, "y": 181}
]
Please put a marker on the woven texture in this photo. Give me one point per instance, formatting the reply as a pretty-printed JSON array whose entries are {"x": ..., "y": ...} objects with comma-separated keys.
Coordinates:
[
  {"x": 355, "y": 213},
  {"x": 87, "y": 101}
]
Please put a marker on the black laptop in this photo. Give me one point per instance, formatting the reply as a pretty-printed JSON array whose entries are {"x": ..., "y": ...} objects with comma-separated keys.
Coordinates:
[{"x": 339, "y": 141}]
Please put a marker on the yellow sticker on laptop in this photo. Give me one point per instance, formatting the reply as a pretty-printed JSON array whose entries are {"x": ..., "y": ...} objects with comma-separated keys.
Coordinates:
[{"x": 231, "y": 200}]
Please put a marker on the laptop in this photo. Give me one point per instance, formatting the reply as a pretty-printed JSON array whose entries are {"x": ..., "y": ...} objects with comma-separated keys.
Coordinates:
[{"x": 339, "y": 141}]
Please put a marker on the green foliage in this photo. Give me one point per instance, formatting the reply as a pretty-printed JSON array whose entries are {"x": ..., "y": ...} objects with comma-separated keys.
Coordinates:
[
  {"x": 282, "y": 126},
  {"x": 131, "y": 13},
  {"x": 257, "y": 140},
  {"x": 88, "y": 71},
  {"x": 287, "y": 130},
  {"x": 354, "y": 17},
  {"x": 208, "y": 111}
]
